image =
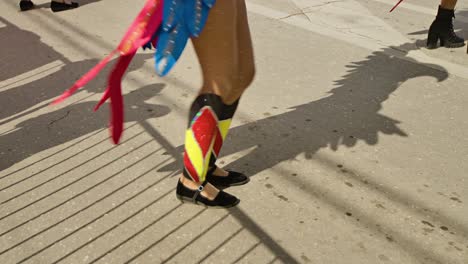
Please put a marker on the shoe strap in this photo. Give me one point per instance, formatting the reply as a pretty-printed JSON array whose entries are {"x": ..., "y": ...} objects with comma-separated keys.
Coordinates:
[{"x": 198, "y": 191}]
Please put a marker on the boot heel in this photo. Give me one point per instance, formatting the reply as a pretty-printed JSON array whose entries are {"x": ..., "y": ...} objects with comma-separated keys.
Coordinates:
[
  {"x": 432, "y": 40},
  {"x": 443, "y": 42}
]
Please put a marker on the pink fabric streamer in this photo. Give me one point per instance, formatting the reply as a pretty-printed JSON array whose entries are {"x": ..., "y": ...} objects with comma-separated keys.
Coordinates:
[
  {"x": 86, "y": 78},
  {"x": 140, "y": 32}
]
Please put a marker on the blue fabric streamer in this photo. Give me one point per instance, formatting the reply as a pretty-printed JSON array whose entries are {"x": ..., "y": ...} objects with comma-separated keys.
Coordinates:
[{"x": 182, "y": 19}]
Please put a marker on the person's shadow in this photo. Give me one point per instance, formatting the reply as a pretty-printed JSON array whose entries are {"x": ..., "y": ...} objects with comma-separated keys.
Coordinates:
[
  {"x": 22, "y": 51},
  {"x": 65, "y": 124},
  {"x": 351, "y": 113},
  {"x": 20, "y": 59},
  {"x": 18, "y": 100}
]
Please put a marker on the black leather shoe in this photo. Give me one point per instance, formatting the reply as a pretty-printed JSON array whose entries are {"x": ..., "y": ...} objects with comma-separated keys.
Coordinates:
[
  {"x": 57, "y": 7},
  {"x": 222, "y": 200},
  {"x": 232, "y": 179},
  {"x": 26, "y": 5}
]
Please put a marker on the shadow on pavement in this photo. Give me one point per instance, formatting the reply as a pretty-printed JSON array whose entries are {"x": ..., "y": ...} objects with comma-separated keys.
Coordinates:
[
  {"x": 52, "y": 129},
  {"x": 22, "y": 51},
  {"x": 350, "y": 114},
  {"x": 44, "y": 131}
]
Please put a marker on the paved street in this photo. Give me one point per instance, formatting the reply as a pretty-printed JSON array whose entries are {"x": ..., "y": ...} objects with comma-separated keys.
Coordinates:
[{"x": 353, "y": 134}]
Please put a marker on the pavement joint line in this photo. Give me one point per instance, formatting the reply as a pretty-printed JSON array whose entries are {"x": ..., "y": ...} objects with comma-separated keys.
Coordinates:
[
  {"x": 57, "y": 152},
  {"x": 249, "y": 224},
  {"x": 273, "y": 260},
  {"x": 163, "y": 237},
  {"x": 49, "y": 68},
  {"x": 94, "y": 203},
  {"x": 8, "y": 132},
  {"x": 66, "y": 159},
  {"x": 65, "y": 172},
  {"x": 202, "y": 233},
  {"x": 44, "y": 105},
  {"x": 99, "y": 236},
  {"x": 139, "y": 232},
  {"x": 224, "y": 242},
  {"x": 21, "y": 114},
  {"x": 246, "y": 253},
  {"x": 59, "y": 189},
  {"x": 170, "y": 149}
]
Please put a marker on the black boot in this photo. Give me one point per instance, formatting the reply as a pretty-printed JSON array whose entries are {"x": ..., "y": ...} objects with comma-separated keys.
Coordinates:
[
  {"x": 26, "y": 5},
  {"x": 442, "y": 29},
  {"x": 58, "y": 7}
]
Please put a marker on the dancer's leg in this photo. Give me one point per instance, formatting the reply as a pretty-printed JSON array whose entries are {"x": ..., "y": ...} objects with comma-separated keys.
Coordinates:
[
  {"x": 218, "y": 52},
  {"x": 245, "y": 72},
  {"x": 448, "y": 4}
]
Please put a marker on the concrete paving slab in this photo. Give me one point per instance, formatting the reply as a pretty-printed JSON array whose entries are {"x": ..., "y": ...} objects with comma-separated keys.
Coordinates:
[{"x": 353, "y": 134}]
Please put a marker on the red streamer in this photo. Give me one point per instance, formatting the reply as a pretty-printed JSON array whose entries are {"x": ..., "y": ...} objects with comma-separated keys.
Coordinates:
[
  {"x": 399, "y": 2},
  {"x": 140, "y": 32}
]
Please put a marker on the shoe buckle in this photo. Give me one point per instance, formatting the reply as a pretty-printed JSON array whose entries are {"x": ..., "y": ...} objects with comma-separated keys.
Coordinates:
[{"x": 200, "y": 188}]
